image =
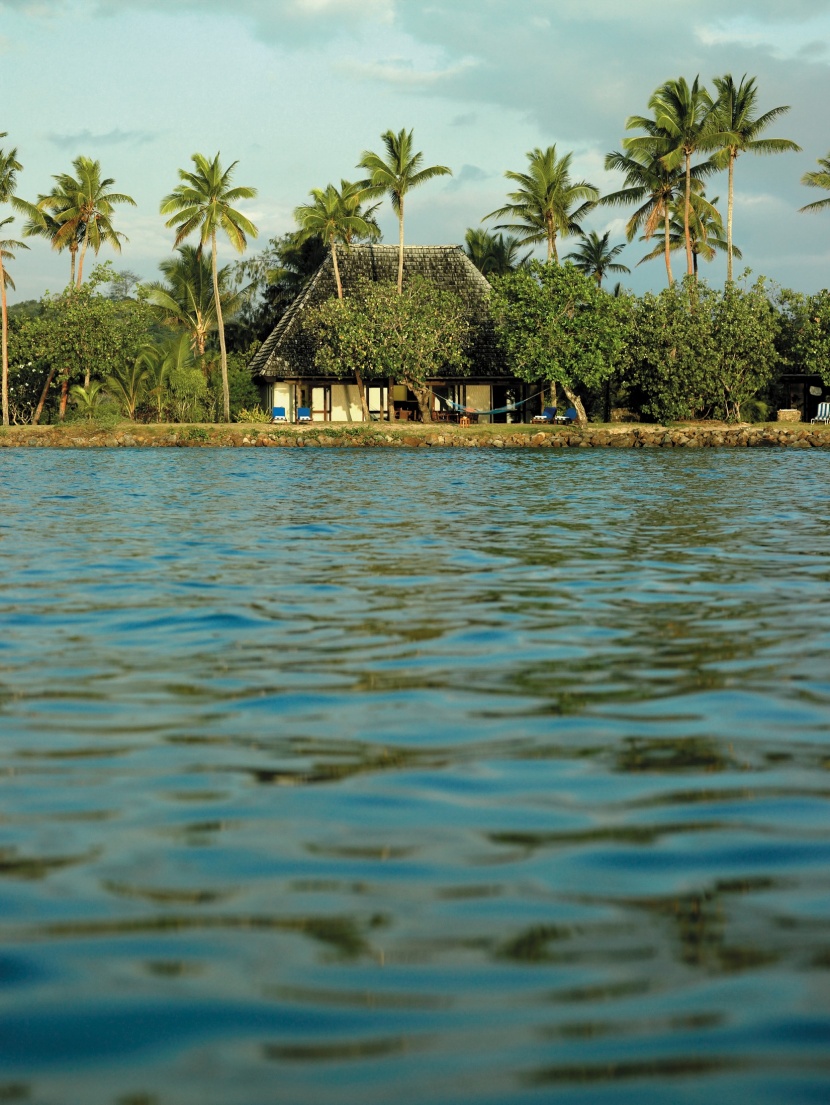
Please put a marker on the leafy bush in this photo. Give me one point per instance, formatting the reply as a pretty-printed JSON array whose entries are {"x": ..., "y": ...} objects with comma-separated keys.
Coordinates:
[
  {"x": 255, "y": 414},
  {"x": 190, "y": 396},
  {"x": 244, "y": 394}
]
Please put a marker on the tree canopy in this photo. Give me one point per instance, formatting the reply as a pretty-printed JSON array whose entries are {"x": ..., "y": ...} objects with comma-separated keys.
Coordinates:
[{"x": 556, "y": 324}]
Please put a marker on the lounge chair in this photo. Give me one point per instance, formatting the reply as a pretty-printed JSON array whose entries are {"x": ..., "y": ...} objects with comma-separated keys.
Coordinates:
[
  {"x": 278, "y": 414},
  {"x": 570, "y": 415},
  {"x": 823, "y": 413},
  {"x": 547, "y": 415},
  {"x": 303, "y": 414}
]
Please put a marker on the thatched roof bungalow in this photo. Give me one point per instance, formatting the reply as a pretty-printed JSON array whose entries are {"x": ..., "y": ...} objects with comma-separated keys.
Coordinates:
[{"x": 284, "y": 365}]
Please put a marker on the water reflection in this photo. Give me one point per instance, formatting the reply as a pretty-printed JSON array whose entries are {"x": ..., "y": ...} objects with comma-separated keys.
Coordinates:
[{"x": 511, "y": 782}]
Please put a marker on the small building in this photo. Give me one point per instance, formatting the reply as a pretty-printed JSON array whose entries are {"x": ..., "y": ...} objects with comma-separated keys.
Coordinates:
[
  {"x": 284, "y": 365},
  {"x": 802, "y": 392}
]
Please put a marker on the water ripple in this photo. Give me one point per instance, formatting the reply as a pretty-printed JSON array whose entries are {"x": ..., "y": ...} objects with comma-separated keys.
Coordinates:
[{"x": 391, "y": 774}]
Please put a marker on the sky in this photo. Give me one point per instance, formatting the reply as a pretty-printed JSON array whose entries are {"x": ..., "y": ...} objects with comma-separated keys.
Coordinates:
[{"x": 296, "y": 90}]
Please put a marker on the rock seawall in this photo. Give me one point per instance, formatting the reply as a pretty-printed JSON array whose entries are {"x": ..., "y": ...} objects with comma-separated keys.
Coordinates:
[{"x": 379, "y": 435}]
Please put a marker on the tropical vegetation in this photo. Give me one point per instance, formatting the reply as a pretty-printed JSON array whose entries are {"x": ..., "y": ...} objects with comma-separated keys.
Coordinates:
[
  {"x": 202, "y": 204},
  {"x": 547, "y": 203},
  {"x": 395, "y": 174},
  {"x": 177, "y": 347}
]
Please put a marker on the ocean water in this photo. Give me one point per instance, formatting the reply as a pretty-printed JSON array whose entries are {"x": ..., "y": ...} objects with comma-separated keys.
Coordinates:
[{"x": 341, "y": 777}]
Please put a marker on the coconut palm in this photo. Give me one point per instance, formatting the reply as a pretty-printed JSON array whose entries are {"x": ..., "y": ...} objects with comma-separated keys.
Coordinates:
[
  {"x": 595, "y": 256},
  {"x": 494, "y": 254},
  {"x": 819, "y": 179},
  {"x": 395, "y": 175},
  {"x": 185, "y": 299},
  {"x": 735, "y": 113},
  {"x": 334, "y": 216},
  {"x": 706, "y": 229},
  {"x": 352, "y": 196},
  {"x": 83, "y": 208},
  {"x": 9, "y": 168},
  {"x": 684, "y": 119},
  {"x": 202, "y": 203},
  {"x": 547, "y": 202},
  {"x": 653, "y": 187},
  {"x": 40, "y": 223}
]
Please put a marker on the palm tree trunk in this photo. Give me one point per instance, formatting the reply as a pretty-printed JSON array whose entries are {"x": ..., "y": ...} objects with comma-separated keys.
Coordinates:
[
  {"x": 43, "y": 394},
  {"x": 64, "y": 398},
  {"x": 667, "y": 231},
  {"x": 337, "y": 270},
  {"x": 400, "y": 248},
  {"x": 5, "y": 344},
  {"x": 729, "y": 203},
  {"x": 687, "y": 209},
  {"x": 220, "y": 326},
  {"x": 81, "y": 262},
  {"x": 73, "y": 251},
  {"x": 390, "y": 400}
]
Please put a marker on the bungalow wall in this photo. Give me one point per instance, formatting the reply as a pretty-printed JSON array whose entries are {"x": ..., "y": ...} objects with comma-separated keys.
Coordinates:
[
  {"x": 340, "y": 401},
  {"x": 480, "y": 398}
]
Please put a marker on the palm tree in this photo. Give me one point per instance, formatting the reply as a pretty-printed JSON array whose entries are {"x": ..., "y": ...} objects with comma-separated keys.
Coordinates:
[
  {"x": 735, "y": 114},
  {"x": 395, "y": 175},
  {"x": 683, "y": 119},
  {"x": 127, "y": 382},
  {"x": 650, "y": 185},
  {"x": 334, "y": 216},
  {"x": 352, "y": 196},
  {"x": 157, "y": 363},
  {"x": 41, "y": 224},
  {"x": 202, "y": 202},
  {"x": 83, "y": 207},
  {"x": 819, "y": 179},
  {"x": 494, "y": 254},
  {"x": 9, "y": 168},
  {"x": 706, "y": 228},
  {"x": 545, "y": 203},
  {"x": 89, "y": 398},
  {"x": 595, "y": 256},
  {"x": 185, "y": 299}
]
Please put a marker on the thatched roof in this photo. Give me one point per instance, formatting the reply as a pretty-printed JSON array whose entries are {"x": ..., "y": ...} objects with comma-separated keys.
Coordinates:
[{"x": 288, "y": 352}]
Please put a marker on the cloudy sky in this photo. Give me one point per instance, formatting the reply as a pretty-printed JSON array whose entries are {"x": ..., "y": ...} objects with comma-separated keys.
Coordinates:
[{"x": 295, "y": 90}]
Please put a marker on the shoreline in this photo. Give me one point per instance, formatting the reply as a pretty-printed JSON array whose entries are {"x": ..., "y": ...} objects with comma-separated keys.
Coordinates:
[{"x": 415, "y": 435}]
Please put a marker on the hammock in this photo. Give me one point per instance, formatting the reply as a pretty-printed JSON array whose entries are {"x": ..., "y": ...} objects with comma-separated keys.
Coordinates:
[{"x": 458, "y": 408}]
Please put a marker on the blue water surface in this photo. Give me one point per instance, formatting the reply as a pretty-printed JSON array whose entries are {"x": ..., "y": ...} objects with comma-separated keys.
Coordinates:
[{"x": 357, "y": 777}]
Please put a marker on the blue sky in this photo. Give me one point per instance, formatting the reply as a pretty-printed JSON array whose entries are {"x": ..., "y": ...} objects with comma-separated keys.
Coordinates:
[{"x": 295, "y": 90}]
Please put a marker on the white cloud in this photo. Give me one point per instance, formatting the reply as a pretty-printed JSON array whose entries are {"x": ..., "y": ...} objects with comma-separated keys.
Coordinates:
[
  {"x": 779, "y": 38},
  {"x": 382, "y": 10},
  {"x": 404, "y": 73}
]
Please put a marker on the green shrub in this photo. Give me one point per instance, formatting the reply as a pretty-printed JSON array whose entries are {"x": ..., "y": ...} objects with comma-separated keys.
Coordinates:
[{"x": 254, "y": 414}]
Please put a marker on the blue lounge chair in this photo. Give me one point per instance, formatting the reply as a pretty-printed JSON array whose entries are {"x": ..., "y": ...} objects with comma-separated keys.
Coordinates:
[
  {"x": 304, "y": 414},
  {"x": 823, "y": 413},
  {"x": 571, "y": 415},
  {"x": 278, "y": 414},
  {"x": 547, "y": 415}
]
